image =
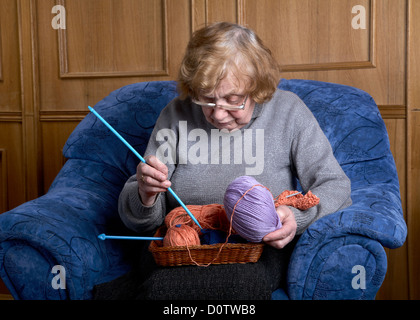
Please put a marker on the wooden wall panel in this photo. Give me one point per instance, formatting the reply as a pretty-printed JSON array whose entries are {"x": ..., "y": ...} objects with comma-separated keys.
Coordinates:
[
  {"x": 230, "y": 12},
  {"x": 114, "y": 38},
  {"x": 107, "y": 44},
  {"x": 3, "y": 180},
  {"x": 296, "y": 45},
  {"x": 9, "y": 60},
  {"x": 52, "y": 147},
  {"x": 376, "y": 57},
  {"x": 413, "y": 218},
  {"x": 12, "y": 180},
  {"x": 413, "y": 149},
  {"x": 12, "y": 173}
]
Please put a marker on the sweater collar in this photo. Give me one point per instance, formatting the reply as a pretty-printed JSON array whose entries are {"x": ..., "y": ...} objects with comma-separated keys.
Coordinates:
[{"x": 257, "y": 111}]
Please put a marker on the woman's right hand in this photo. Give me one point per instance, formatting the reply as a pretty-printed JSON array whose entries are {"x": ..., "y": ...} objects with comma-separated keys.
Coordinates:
[{"x": 152, "y": 178}]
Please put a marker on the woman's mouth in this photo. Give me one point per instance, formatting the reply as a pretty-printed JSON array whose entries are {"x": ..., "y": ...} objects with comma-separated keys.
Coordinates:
[{"x": 222, "y": 125}]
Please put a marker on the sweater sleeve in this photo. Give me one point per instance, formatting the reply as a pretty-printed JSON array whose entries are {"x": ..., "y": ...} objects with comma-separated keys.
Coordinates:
[
  {"x": 134, "y": 214},
  {"x": 317, "y": 170}
]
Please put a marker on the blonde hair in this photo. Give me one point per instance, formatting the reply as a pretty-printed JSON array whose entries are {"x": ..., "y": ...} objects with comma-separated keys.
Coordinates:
[{"x": 222, "y": 48}]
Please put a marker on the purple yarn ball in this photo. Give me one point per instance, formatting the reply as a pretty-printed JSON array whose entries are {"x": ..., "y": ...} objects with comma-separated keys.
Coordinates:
[{"x": 255, "y": 215}]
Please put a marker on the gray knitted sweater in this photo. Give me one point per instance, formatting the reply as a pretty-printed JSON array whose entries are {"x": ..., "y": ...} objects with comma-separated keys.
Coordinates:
[{"x": 282, "y": 142}]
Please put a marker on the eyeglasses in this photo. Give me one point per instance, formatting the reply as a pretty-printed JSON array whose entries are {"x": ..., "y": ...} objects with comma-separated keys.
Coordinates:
[{"x": 229, "y": 106}]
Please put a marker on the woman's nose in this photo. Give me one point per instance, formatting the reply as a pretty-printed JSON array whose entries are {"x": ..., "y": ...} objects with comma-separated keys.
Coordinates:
[{"x": 219, "y": 113}]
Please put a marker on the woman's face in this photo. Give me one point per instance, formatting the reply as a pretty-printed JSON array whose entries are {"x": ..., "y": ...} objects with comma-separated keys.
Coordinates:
[{"x": 230, "y": 120}]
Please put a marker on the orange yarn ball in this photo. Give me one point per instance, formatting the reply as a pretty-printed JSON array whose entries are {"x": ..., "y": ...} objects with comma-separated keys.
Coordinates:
[
  {"x": 181, "y": 235},
  {"x": 182, "y": 230},
  {"x": 211, "y": 216}
]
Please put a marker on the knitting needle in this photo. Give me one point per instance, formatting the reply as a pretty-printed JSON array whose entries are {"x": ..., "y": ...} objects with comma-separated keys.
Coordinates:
[
  {"x": 294, "y": 194},
  {"x": 144, "y": 161},
  {"x": 103, "y": 236}
]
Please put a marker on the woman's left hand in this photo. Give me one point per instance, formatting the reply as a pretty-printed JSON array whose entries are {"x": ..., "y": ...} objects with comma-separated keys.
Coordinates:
[{"x": 281, "y": 237}]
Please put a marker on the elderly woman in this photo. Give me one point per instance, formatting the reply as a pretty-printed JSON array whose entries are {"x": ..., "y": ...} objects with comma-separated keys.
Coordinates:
[{"x": 230, "y": 120}]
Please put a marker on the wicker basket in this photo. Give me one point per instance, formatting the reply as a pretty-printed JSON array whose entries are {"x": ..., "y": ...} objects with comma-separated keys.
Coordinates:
[{"x": 205, "y": 254}]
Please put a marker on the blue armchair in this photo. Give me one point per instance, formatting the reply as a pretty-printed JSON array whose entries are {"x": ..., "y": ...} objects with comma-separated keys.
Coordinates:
[{"x": 340, "y": 256}]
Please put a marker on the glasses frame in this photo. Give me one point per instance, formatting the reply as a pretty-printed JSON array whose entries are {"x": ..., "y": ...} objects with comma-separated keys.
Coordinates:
[{"x": 223, "y": 106}]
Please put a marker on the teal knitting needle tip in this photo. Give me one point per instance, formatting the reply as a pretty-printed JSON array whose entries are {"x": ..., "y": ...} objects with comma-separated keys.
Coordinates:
[
  {"x": 103, "y": 236},
  {"x": 294, "y": 194},
  {"x": 116, "y": 133},
  {"x": 142, "y": 160}
]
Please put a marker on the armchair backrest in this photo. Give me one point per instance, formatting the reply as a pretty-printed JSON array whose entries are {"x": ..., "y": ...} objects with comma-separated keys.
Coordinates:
[
  {"x": 348, "y": 116},
  {"x": 353, "y": 124},
  {"x": 132, "y": 111}
]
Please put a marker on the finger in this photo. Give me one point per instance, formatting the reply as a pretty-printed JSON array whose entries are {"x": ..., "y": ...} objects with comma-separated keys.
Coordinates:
[
  {"x": 275, "y": 244},
  {"x": 272, "y": 236},
  {"x": 280, "y": 244},
  {"x": 283, "y": 212},
  {"x": 279, "y": 240},
  {"x": 147, "y": 174},
  {"x": 152, "y": 190},
  {"x": 279, "y": 234},
  {"x": 153, "y": 184},
  {"x": 158, "y": 165}
]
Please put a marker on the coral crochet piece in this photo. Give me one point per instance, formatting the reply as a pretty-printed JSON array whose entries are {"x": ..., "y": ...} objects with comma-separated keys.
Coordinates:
[{"x": 299, "y": 201}]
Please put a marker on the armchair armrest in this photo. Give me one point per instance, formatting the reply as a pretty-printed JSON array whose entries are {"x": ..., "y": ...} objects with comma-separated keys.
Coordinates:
[
  {"x": 61, "y": 228},
  {"x": 341, "y": 256}
]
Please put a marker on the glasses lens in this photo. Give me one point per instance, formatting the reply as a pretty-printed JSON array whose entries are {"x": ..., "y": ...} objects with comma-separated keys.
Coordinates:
[
  {"x": 228, "y": 107},
  {"x": 233, "y": 106}
]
